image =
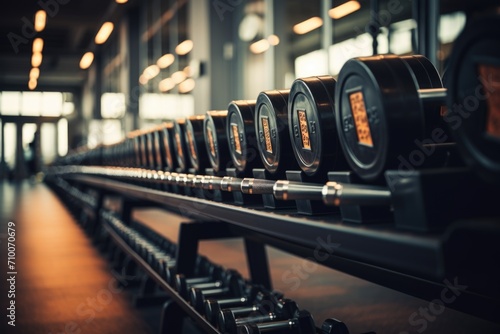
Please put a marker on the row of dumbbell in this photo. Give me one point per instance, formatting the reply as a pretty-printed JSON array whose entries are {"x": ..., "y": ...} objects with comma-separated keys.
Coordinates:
[
  {"x": 76, "y": 193},
  {"x": 159, "y": 252},
  {"x": 223, "y": 297},
  {"x": 232, "y": 305},
  {"x": 380, "y": 110}
]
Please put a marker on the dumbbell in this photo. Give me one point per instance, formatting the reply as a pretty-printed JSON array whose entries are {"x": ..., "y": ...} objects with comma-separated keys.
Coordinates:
[
  {"x": 212, "y": 279},
  {"x": 162, "y": 262},
  {"x": 263, "y": 301},
  {"x": 301, "y": 323},
  {"x": 167, "y": 146},
  {"x": 138, "y": 149},
  {"x": 231, "y": 284},
  {"x": 388, "y": 112},
  {"x": 230, "y": 183},
  {"x": 157, "y": 154},
  {"x": 151, "y": 150},
  {"x": 230, "y": 319},
  {"x": 334, "y": 326},
  {"x": 165, "y": 260},
  {"x": 180, "y": 147},
  {"x": 211, "y": 182},
  {"x": 240, "y": 131},
  {"x": 198, "y": 181},
  {"x": 271, "y": 127},
  {"x": 130, "y": 160},
  {"x": 312, "y": 128},
  {"x": 153, "y": 253},
  {"x": 333, "y": 193},
  {"x": 144, "y": 149},
  {"x": 474, "y": 95},
  {"x": 216, "y": 140},
  {"x": 253, "y": 294},
  {"x": 202, "y": 267},
  {"x": 195, "y": 141}
]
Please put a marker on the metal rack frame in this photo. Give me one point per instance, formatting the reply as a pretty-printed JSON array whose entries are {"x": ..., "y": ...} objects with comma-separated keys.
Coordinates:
[{"x": 410, "y": 262}]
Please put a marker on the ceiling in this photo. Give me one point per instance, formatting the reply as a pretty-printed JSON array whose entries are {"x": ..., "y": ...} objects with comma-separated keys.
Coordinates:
[
  {"x": 68, "y": 34},
  {"x": 71, "y": 27}
]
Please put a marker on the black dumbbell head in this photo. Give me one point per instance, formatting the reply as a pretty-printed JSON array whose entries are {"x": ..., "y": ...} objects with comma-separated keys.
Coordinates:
[
  {"x": 377, "y": 109},
  {"x": 334, "y": 326}
]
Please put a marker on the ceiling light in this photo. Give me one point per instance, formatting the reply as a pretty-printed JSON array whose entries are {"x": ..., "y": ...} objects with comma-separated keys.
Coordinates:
[
  {"x": 40, "y": 20},
  {"x": 186, "y": 86},
  {"x": 188, "y": 70},
  {"x": 259, "y": 46},
  {"x": 308, "y": 25},
  {"x": 166, "y": 84},
  {"x": 36, "y": 59},
  {"x": 86, "y": 60},
  {"x": 151, "y": 71},
  {"x": 250, "y": 27},
  {"x": 121, "y": 1},
  {"x": 32, "y": 84},
  {"x": 179, "y": 77},
  {"x": 37, "y": 44},
  {"x": 184, "y": 48},
  {"x": 166, "y": 60},
  {"x": 344, "y": 9},
  {"x": 143, "y": 80},
  {"x": 104, "y": 32},
  {"x": 34, "y": 73},
  {"x": 273, "y": 40}
]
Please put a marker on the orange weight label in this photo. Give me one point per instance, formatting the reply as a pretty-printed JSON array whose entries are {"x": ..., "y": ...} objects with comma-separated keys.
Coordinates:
[
  {"x": 211, "y": 143},
  {"x": 236, "y": 135},
  {"x": 304, "y": 130},
  {"x": 360, "y": 116},
  {"x": 167, "y": 150},
  {"x": 179, "y": 146},
  {"x": 490, "y": 77},
  {"x": 191, "y": 144},
  {"x": 267, "y": 134}
]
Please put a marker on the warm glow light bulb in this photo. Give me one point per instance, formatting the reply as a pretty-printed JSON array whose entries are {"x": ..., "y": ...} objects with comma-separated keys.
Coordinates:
[
  {"x": 36, "y": 59},
  {"x": 40, "y": 20},
  {"x": 104, "y": 32},
  {"x": 86, "y": 60},
  {"x": 184, "y": 48},
  {"x": 37, "y": 45}
]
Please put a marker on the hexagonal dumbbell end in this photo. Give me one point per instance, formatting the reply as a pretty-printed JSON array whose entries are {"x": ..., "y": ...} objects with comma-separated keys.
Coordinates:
[{"x": 334, "y": 326}]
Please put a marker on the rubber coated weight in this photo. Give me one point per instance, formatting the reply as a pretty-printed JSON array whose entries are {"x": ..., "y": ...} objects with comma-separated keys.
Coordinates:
[
  {"x": 387, "y": 108},
  {"x": 180, "y": 147},
  {"x": 240, "y": 129},
  {"x": 229, "y": 320},
  {"x": 271, "y": 126},
  {"x": 301, "y": 323},
  {"x": 231, "y": 285},
  {"x": 312, "y": 129},
  {"x": 167, "y": 146},
  {"x": 216, "y": 141},
  {"x": 474, "y": 96},
  {"x": 195, "y": 142}
]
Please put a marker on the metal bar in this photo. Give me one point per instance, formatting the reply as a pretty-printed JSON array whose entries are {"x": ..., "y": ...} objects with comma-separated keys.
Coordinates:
[{"x": 437, "y": 95}]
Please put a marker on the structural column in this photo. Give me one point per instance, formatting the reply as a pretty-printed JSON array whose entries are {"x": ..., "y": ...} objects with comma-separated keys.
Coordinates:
[
  {"x": 20, "y": 168},
  {"x": 3, "y": 166}
]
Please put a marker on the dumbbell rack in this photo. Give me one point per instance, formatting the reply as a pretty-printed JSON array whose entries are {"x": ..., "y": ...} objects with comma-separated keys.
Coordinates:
[
  {"x": 411, "y": 262},
  {"x": 176, "y": 305},
  {"x": 190, "y": 234}
]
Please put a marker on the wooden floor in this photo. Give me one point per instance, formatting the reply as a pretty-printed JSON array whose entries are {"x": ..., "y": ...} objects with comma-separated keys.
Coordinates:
[{"x": 64, "y": 285}]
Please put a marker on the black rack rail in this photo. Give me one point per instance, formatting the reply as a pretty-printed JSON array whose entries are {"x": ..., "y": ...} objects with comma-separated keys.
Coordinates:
[{"x": 410, "y": 262}]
